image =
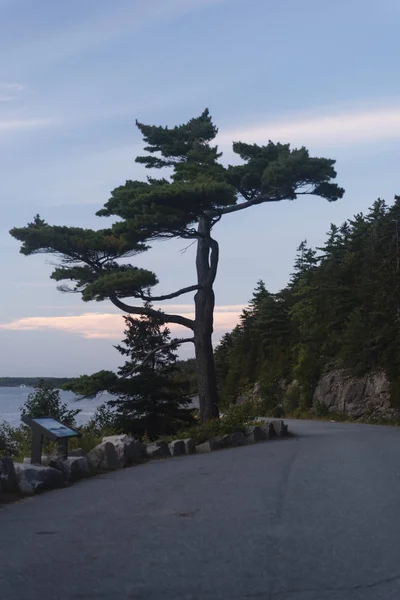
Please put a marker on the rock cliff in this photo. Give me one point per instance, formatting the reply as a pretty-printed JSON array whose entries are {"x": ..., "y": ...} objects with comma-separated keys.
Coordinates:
[{"x": 357, "y": 397}]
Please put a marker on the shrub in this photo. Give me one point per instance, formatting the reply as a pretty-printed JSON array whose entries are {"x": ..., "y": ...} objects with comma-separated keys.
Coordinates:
[
  {"x": 238, "y": 415},
  {"x": 45, "y": 401},
  {"x": 320, "y": 409},
  {"x": 9, "y": 445},
  {"x": 235, "y": 418},
  {"x": 292, "y": 396},
  {"x": 89, "y": 439},
  {"x": 103, "y": 419},
  {"x": 17, "y": 441}
]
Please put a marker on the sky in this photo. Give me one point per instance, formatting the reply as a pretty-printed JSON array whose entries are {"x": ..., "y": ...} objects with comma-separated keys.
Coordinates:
[{"x": 75, "y": 75}]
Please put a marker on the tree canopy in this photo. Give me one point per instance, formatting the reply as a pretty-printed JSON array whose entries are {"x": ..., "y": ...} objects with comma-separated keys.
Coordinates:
[
  {"x": 197, "y": 192},
  {"x": 341, "y": 309}
]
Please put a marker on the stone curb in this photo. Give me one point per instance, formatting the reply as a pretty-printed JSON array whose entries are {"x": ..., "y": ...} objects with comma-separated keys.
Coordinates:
[{"x": 116, "y": 452}]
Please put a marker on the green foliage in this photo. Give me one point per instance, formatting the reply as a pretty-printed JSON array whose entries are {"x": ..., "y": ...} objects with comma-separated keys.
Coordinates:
[
  {"x": 188, "y": 204},
  {"x": 277, "y": 171},
  {"x": 292, "y": 397},
  {"x": 92, "y": 436},
  {"x": 320, "y": 410},
  {"x": 18, "y": 440},
  {"x": 103, "y": 419},
  {"x": 10, "y": 441},
  {"x": 187, "y": 375},
  {"x": 341, "y": 309},
  {"x": 235, "y": 418},
  {"x": 150, "y": 395},
  {"x": 240, "y": 415},
  {"x": 45, "y": 401},
  {"x": 88, "y": 258},
  {"x": 257, "y": 349},
  {"x": 90, "y": 386}
]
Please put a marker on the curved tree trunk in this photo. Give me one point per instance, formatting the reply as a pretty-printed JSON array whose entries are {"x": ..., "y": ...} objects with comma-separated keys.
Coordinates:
[{"x": 206, "y": 265}]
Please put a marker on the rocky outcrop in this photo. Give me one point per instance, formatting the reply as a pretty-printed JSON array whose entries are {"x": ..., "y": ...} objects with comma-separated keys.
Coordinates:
[
  {"x": 128, "y": 450},
  {"x": 253, "y": 395},
  {"x": 255, "y": 434},
  {"x": 104, "y": 458},
  {"x": 37, "y": 478},
  {"x": 78, "y": 468},
  {"x": 256, "y": 395},
  {"x": 215, "y": 443},
  {"x": 367, "y": 396},
  {"x": 177, "y": 448},
  {"x": 190, "y": 446},
  {"x": 73, "y": 468},
  {"x": 277, "y": 427},
  {"x": 238, "y": 438},
  {"x": 158, "y": 450}
]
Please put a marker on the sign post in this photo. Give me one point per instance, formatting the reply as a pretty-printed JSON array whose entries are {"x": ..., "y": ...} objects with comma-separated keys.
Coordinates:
[{"x": 51, "y": 429}]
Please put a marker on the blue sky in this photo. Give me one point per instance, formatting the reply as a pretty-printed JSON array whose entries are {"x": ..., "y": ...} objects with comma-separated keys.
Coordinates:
[{"x": 74, "y": 76}]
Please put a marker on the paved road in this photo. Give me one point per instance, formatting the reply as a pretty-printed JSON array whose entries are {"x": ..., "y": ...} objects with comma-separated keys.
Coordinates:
[{"x": 313, "y": 517}]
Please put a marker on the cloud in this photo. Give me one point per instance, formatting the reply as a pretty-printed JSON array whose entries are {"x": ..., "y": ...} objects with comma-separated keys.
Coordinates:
[
  {"x": 92, "y": 325},
  {"x": 87, "y": 325},
  {"x": 23, "y": 124},
  {"x": 336, "y": 128},
  {"x": 8, "y": 91}
]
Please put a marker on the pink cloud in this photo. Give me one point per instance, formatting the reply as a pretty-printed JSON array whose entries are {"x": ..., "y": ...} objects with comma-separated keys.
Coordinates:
[
  {"x": 93, "y": 325},
  {"x": 87, "y": 325}
]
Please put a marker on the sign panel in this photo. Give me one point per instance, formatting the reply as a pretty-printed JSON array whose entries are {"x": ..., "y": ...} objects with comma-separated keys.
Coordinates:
[
  {"x": 55, "y": 427},
  {"x": 53, "y": 430}
]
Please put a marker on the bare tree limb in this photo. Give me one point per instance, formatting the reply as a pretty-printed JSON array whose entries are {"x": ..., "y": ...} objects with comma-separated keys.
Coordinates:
[
  {"x": 187, "y": 247},
  {"x": 150, "y": 312},
  {"x": 186, "y": 290}
]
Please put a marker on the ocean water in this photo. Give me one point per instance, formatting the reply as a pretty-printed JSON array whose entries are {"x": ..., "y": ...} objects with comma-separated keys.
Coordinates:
[{"x": 11, "y": 398}]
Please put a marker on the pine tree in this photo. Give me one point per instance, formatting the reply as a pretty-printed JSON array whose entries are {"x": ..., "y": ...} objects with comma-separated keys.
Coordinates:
[
  {"x": 197, "y": 194},
  {"x": 341, "y": 309},
  {"x": 150, "y": 399}
]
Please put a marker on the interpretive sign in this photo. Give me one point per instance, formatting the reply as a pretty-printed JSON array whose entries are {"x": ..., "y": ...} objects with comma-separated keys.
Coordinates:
[{"x": 51, "y": 429}]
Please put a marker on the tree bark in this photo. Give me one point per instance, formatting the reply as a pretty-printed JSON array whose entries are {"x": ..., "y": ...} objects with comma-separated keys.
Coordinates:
[
  {"x": 204, "y": 311},
  {"x": 206, "y": 378}
]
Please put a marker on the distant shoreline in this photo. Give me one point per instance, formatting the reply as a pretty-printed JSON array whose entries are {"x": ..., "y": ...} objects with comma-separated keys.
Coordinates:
[{"x": 28, "y": 382}]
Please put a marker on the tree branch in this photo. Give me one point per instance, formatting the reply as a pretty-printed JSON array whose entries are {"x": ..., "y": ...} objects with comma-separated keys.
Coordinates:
[
  {"x": 186, "y": 290},
  {"x": 150, "y": 312},
  {"x": 243, "y": 205},
  {"x": 188, "y": 246}
]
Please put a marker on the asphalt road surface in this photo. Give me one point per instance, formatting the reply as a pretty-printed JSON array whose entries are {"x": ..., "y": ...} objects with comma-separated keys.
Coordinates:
[{"x": 313, "y": 517}]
